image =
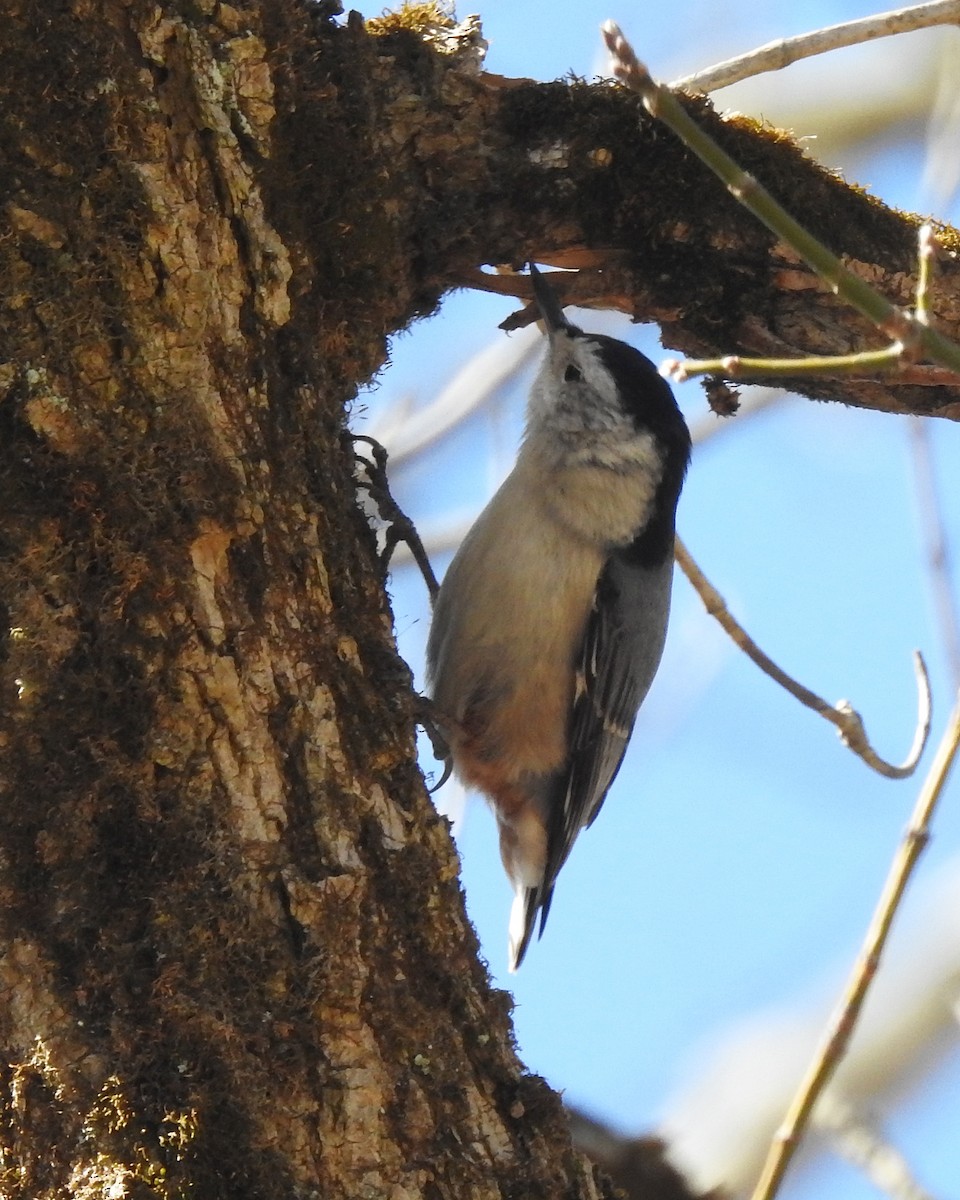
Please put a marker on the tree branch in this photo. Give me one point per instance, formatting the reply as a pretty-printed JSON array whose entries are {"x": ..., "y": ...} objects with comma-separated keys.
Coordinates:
[
  {"x": 483, "y": 170},
  {"x": 848, "y": 722},
  {"x": 774, "y": 56},
  {"x": 844, "y": 1020},
  {"x": 911, "y": 334}
]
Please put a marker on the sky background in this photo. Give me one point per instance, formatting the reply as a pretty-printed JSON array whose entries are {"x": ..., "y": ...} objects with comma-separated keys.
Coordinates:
[{"x": 732, "y": 873}]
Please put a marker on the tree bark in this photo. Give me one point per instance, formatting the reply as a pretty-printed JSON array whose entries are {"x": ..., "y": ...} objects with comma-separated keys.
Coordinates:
[
  {"x": 236, "y": 957},
  {"x": 237, "y": 961},
  {"x": 476, "y": 169}
]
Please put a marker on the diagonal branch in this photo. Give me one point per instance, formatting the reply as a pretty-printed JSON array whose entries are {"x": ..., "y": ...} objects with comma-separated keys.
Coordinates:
[
  {"x": 845, "y": 1017},
  {"x": 617, "y": 196},
  {"x": 913, "y": 335},
  {"x": 848, "y": 722},
  {"x": 897, "y": 357},
  {"x": 779, "y": 54}
]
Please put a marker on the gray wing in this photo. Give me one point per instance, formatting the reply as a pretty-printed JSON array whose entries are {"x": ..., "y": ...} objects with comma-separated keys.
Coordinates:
[{"x": 621, "y": 651}]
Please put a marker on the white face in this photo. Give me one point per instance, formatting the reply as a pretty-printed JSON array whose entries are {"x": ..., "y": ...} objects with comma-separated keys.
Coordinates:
[
  {"x": 574, "y": 391},
  {"x": 597, "y": 469},
  {"x": 575, "y": 408}
]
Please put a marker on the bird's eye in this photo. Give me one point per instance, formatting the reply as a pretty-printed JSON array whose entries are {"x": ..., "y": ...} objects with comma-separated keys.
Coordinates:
[{"x": 572, "y": 374}]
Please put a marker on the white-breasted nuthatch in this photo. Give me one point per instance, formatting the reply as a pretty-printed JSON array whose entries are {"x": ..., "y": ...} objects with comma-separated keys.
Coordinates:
[{"x": 551, "y": 619}]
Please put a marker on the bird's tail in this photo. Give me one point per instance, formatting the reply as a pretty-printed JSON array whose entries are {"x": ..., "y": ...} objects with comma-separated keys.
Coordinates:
[{"x": 527, "y": 903}]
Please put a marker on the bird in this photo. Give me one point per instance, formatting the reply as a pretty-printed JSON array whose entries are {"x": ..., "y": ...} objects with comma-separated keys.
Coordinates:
[{"x": 550, "y": 622}]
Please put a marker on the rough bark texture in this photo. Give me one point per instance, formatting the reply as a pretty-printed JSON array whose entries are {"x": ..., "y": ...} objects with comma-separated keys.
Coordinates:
[
  {"x": 468, "y": 169},
  {"x": 236, "y": 962},
  {"x": 236, "y": 959}
]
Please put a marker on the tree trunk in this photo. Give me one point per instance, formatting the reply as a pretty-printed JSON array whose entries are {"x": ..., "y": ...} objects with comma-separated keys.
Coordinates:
[
  {"x": 236, "y": 957},
  {"x": 237, "y": 962}
]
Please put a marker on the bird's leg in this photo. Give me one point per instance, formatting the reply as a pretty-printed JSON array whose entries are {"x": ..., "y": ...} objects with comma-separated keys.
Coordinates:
[
  {"x": 399, "y": 527},
  {"x": 432, "y": 721}
]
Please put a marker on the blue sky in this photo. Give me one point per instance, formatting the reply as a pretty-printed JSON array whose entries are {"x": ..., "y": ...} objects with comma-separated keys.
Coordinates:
[{"x": 741, "y": 850}]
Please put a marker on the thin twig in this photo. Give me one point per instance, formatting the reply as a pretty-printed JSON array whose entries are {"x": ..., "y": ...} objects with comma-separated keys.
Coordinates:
[
  {"x": 848, "y": 722},
  {"x": 927, "y": 262},
  {"x": 847, "y": 1012},
  {"x": 719, "y": 1124},
  {"x": 781, "y": 53},
  {"x": 915, "y": 338},
  {"x": 897, "y": 357},
  {"x": 733, "y": 366},
  {"x": 750, "y": 370}
]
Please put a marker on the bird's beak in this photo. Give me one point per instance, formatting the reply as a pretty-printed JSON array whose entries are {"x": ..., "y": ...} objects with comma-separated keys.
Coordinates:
[{"x": 551, "y": 310}]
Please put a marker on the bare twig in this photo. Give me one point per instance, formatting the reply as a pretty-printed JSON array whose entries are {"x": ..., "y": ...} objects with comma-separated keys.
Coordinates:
[
  {"x": 848, "y": 722},
  {"x": 844, "y": 1019},
  {"x": 898, "y": 356},
  {"x": 719, "y": 1122},
  {"x": 914, "y": 339},
  {"x": 927, "y": 261},
  {"x": 750, "y": 370},
  {"x": 779, "y": 54},
  {"x": 733, "y": 366}
]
